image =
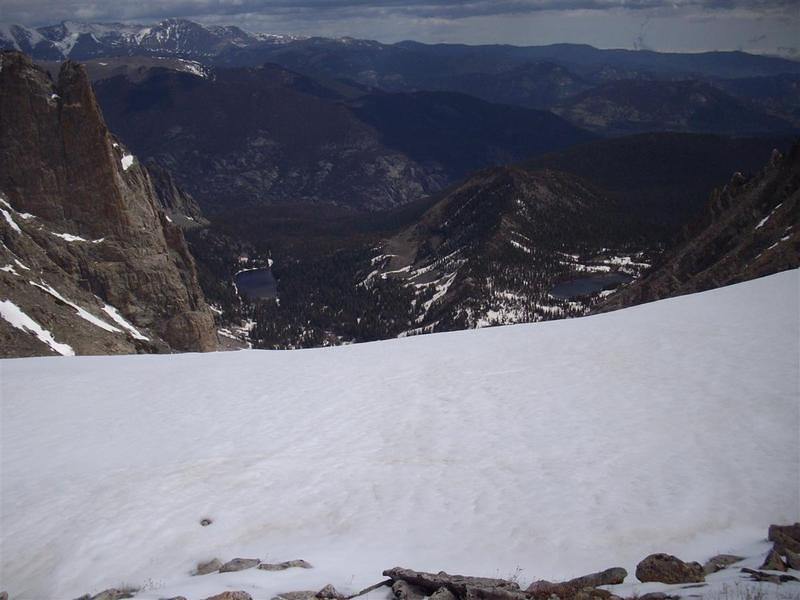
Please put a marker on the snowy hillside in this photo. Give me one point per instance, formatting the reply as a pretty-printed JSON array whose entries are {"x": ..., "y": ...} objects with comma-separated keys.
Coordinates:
[{"x": 557, "y": 448}]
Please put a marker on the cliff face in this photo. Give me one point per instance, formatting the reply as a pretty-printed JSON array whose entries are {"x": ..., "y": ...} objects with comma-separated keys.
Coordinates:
[
  {"x": 750, "y": 228},
  {"x": 84, "y": 218}
]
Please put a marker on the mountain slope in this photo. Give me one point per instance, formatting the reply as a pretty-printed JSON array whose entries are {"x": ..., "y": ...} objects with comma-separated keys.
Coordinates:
[
  {"x": 750, "y": 228},
  {"x": 84, "y": 238},
  {"x": 490, "y": 250},
  {"x": 266, "y": 134},
  {"x": 631, "y": 106},
  {"x": 550, "y": 450},
  {"x": 663, "y": 179}
]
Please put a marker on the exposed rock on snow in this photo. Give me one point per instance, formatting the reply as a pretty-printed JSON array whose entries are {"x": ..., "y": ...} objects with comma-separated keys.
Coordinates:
[
  {"x": 761, "y": 576},
  {"x": 773, "y": 562},
  {"x": 786, "y": 537},
  {"x": 792, "y": 559},
  {"x": 299, "y": 563},
  {"x": 666, "y": 568},
  {"x": 402, "y": 590},
  {"x": 113, "y": 594},
  {"x": 239, "y": 564},
  {"x": 212, "y": 566},
  {"x": 231, "y": 596},
  {"x": 579, "y": 585},
  {"x": 329, "y": 593},
  {"x": 304, "y": 595},
  {"x": 442, "y": 594},
  {"x": 719, "y": 562},
  {"x": 460, "y": 585}
]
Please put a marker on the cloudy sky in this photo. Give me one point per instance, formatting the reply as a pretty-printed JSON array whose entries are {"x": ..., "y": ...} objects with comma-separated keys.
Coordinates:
[{"x": 771, "y": 26}]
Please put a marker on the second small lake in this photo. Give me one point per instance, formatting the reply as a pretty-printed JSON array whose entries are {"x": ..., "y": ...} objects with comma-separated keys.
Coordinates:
[
  {"x": 590, "y": 284},
  {"x": 257, "y": 283}
]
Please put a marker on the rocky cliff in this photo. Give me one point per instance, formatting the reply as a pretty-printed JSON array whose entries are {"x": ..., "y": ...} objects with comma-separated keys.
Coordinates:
[
  {"x": 749, "y": 228},
  {"x": 89, "y": 261}
]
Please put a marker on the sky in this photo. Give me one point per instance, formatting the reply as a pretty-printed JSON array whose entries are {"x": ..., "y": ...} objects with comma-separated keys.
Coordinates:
[{"x": 760, "y": 26}]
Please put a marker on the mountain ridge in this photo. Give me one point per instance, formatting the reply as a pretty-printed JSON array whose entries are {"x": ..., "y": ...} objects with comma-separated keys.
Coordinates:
[{"x": 86, "y": 244}]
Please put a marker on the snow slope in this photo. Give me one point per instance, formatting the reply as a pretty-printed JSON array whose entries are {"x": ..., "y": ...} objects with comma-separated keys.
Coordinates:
[{"x": 558, "y": 448}]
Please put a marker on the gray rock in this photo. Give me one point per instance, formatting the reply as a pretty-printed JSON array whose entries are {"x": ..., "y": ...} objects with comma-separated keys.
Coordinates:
[
  {"x": 175, "y": 598},
  {"x": 3, "y": 595},
  {"x": 403, "y": 590},
  {"x": 792, "y": 559},
  {"x": 613, "y": 576},
  {"x": 239, "y": 564},
  {"x": 205, "y": 568},
  {"x": 299, "y": 563},
  {"x": 719, "y": 562},
  {"x": 768, "y": 577},
  {"x": 544, "y": 590},
  {"x": 658, "y": 596},
  {"x": 583, "y": 587},
  {"x": 773, "y": 562},
  {"x": 231, "y": 596},
  {"x": 666, "y": 568},
  {"x": 329, "y": 593},
  {"x": 458, "y": 584}
]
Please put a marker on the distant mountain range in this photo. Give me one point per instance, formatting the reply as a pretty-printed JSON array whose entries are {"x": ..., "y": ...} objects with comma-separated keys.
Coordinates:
[{"x": 402, "y": 65}]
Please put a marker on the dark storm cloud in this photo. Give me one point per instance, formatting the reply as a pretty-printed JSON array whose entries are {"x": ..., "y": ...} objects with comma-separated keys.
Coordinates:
[{"x": 49, "y": 11}]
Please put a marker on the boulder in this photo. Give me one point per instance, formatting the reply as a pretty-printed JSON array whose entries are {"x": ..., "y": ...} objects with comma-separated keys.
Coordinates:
[
  {"x": 299, "y": 563},
  {"x": 231, "y": 596},
  {"x": 580, "y": 586},
  {"x": 792, "y": 560},
  {"x": 613, "y": 576},
  {"x": 719, "y": 562},
  {"x": 458, "y": 584},
  {"x": 239, "y": 564},
  {"x": 329, "y": 593},
  {"x": 785, "y": 537},
  {"x": 204, "y": 568},
  {"x": 665, "y": 568},
  {"x": 773, "y": 562}
]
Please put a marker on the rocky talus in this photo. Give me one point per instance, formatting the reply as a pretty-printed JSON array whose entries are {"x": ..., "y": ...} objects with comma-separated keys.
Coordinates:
[{"x": 89, "y": 263}]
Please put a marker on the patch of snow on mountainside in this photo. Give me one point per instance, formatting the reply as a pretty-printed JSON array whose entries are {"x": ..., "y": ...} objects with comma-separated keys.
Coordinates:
[
  {"x": 82, "y": 313},
  {"x": 14, "y": 315},
  {"x": 124, "y": 323},
  {"x": 558, "y": 448}
]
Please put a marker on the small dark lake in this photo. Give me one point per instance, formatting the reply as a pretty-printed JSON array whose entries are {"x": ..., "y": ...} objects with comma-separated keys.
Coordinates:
[
  {"x": 257, "y": 283},
  {"x": 591, "y": 284}
]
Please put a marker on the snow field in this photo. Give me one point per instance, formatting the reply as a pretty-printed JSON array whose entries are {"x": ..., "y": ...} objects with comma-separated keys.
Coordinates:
[{"x": 560, "y": 448}]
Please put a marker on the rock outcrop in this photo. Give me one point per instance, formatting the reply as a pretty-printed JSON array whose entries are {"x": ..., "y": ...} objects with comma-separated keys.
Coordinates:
[
  {"x": 665, "y": 568},
  {"x": 88, "y": 256},
  {"x": 785, "y": 537}
]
